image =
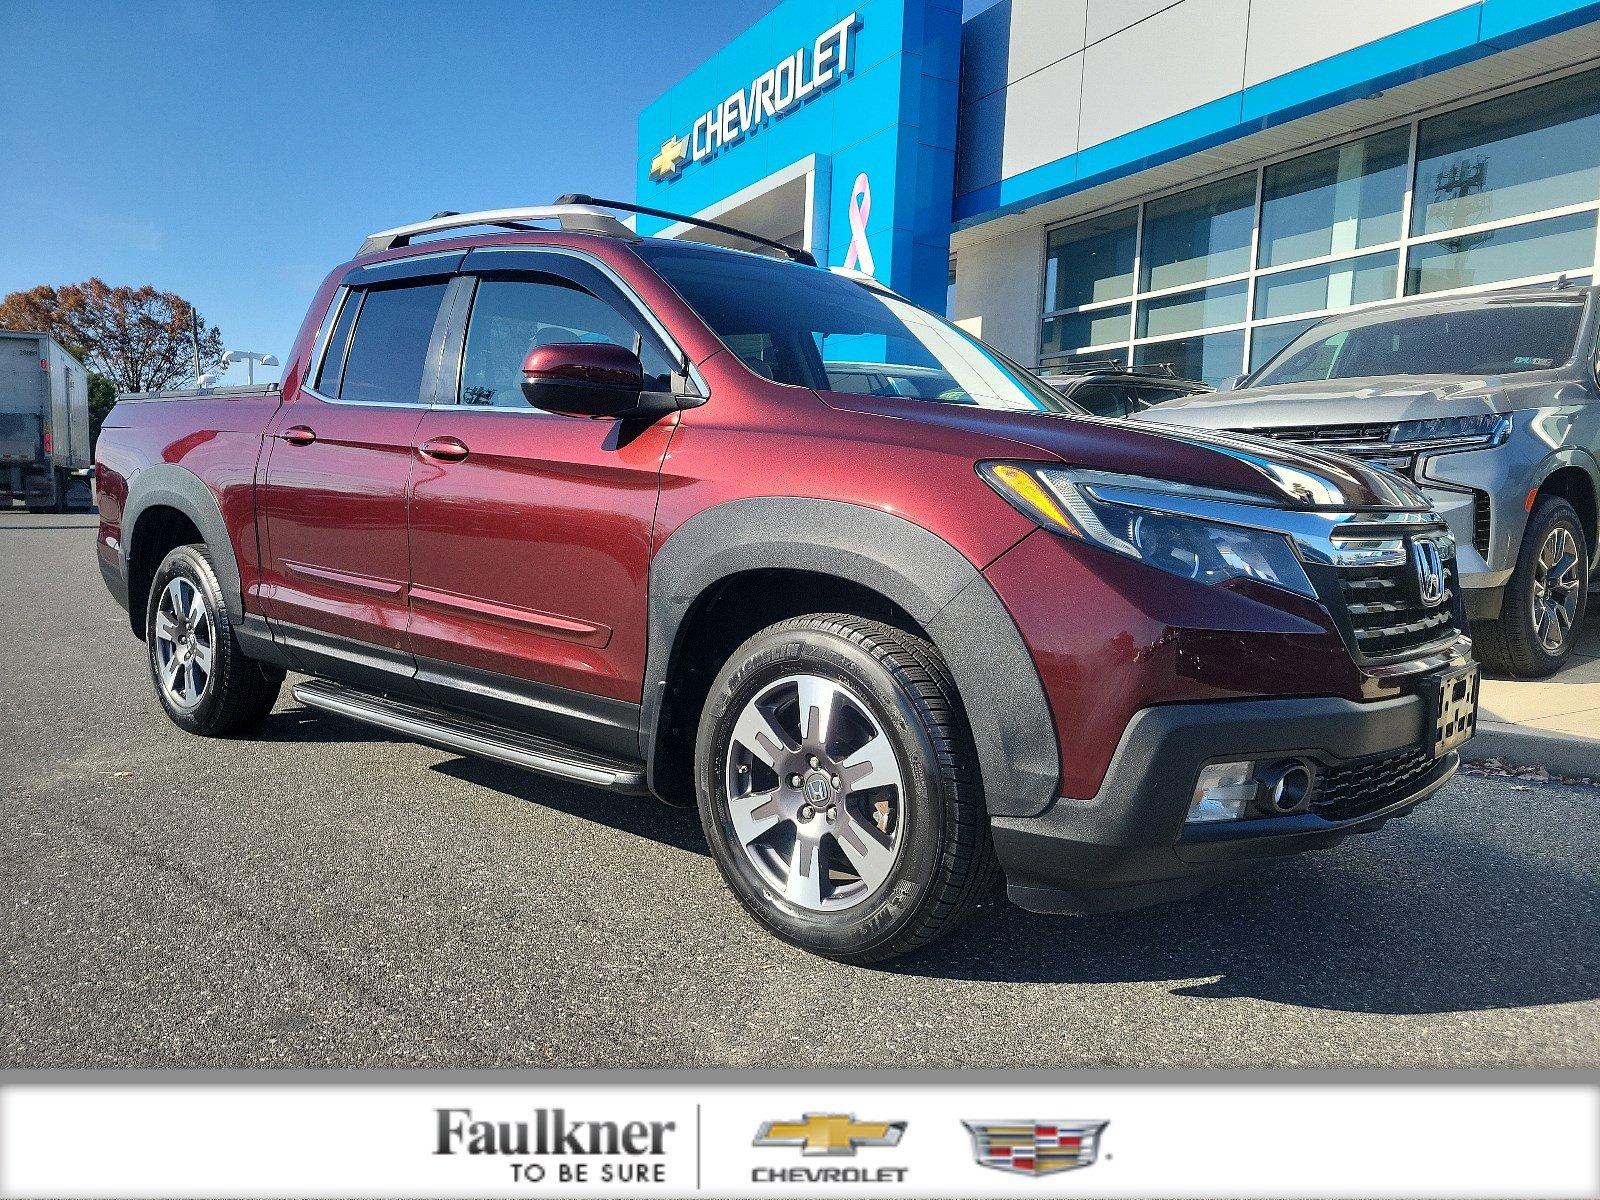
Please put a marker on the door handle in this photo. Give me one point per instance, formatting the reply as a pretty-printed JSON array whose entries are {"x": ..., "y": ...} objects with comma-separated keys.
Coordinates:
[
  {"x": 445, "y": 449},
  {"x": 298, "y": 435}
]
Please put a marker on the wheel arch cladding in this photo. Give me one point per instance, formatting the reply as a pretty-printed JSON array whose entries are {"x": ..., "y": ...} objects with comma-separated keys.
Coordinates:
[
  {"x": 1571, "y": 475},
  {"x": 167, "y": 487},
  {"x": 914, "y": 570}
]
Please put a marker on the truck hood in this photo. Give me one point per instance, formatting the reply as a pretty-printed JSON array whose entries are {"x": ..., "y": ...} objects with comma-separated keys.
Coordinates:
[
  {"x": 1282, "y": 474},
  {"x": 1334, "y": 402}
]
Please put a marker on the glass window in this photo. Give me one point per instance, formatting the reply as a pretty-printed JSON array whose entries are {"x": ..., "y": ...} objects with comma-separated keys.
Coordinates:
[
  {"x": 1509, "y": 157},
  {"x": 1267, "y": 340},
  {"x": 1094, "y": 358},
  {"x": 806, "y": 323},
  {"x": 1497, "y": 338},
  {"x": 1200, "y": 234},
  {"x": 1095, "y": 328},
  {"x": 338, "y": 342},
  {"x": 385, "y": 361},
  {"x": 1210, "y": 358},
  {"x": 1091, "y": 261},
  {"x": 1221, "y": 304},
  {"x": 1335, "y": 200},
  {"x": 512, "y": 316},
  {"x": 1516, "y": 252},
  {"x": 1332, "y": 285}
]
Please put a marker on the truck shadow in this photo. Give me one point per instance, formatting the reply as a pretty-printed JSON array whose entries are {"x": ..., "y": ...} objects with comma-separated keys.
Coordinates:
[
  {"x": 1416, "y": 920},
  {"x": 640, "y": 815}
]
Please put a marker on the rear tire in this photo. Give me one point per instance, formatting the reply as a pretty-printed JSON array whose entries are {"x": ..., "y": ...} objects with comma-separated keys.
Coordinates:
[
  {"x": 1545, "y": 599},
  {"x": 883, "y": 845},
  {"x": 203, "y": 679}
]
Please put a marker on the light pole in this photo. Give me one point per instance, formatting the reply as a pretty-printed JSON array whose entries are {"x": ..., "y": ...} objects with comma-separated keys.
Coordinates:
[{"x": 250, "y": 357}]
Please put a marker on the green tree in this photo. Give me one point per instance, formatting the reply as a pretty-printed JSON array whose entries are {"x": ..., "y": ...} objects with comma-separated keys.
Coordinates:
[{"x": 102, "y": 398}]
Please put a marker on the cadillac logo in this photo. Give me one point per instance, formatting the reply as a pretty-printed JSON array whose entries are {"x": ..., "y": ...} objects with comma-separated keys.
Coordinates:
[
  {"x": 1428, "y": 564},
  {"x": 1035, "y": 1147}
]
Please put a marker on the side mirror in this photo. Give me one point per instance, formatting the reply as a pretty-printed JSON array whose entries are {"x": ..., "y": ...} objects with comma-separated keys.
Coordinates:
[{"x": 585, "y": 379}]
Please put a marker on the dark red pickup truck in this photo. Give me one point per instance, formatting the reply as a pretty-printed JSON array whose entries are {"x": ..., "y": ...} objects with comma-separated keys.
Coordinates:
[{"x": 668, "y": 517}]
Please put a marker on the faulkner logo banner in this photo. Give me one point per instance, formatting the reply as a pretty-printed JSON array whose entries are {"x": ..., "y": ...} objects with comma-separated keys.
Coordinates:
[
  {"x": 627, "y": 1151},
  {"x": 810, "y": 69}
]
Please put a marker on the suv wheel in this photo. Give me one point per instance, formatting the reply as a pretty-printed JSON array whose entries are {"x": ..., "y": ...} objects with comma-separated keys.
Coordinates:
[
  {"x": 1545, "y": 600},
  {"x": 838, "y": 789},
  {"x": 202, "y": 677}
]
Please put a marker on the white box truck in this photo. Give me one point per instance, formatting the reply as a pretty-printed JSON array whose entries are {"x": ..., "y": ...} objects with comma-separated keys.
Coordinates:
[{"x": 44, "y": 425}]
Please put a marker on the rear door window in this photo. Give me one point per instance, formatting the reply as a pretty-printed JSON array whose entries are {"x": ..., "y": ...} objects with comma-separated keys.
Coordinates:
[{"x": 387, "y": 357}]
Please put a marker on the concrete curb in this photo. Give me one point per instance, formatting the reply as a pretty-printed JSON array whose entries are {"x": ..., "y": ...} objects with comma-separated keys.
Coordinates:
[{"x": 1562, "y": 754}]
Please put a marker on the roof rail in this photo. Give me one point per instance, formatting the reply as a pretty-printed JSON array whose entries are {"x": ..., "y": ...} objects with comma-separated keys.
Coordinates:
[
  {"x": 803, "y": 257},
  {"x": 580, "y": 217}
]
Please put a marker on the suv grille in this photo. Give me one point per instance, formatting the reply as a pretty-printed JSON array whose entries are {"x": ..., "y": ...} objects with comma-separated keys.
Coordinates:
[
  {"x": 1369, "y": 784},
  {"x": 1387, "y": 618},
  {"x": 1347, "y": 439}
]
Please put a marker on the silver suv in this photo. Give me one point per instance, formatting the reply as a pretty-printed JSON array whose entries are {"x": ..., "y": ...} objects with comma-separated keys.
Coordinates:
[{"x": 1492, "y": 404}]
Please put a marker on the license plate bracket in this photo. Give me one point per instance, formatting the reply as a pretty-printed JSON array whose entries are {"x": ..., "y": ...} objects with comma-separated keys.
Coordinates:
[{"x": 1454, "y": 709}]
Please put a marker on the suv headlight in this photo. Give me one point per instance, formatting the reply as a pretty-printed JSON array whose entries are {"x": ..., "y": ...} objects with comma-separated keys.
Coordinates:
[
  {"x": 1206, "y": 551},
  {"x": 1476, "y": 432}
]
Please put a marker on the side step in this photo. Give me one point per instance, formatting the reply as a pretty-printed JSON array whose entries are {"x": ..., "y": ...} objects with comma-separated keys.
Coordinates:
[{"x": 456, "y": 732}]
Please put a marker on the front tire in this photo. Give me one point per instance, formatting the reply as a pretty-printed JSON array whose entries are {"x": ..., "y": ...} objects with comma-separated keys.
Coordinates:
[
  {"x": 203, "y": 679},
  {"x": 838, "y": 788},
  {"x": 1545, "y": 599}
]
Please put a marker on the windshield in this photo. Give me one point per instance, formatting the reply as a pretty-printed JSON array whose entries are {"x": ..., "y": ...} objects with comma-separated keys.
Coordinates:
[
  {"x": 811, "y": 328},
  {"x": 1496, "y": 339}
]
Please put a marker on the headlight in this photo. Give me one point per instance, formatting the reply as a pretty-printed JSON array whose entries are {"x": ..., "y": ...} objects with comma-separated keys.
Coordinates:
[
  {"x": 1206, "y": 551},
  {"x": 1477, "y": 431}
]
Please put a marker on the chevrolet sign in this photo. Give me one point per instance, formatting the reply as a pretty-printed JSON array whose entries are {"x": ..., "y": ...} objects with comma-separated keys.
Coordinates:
[{"x": 773, "y": 93}]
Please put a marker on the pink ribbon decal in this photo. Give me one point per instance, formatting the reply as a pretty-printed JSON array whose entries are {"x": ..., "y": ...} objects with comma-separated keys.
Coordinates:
[{"x": 860, "y": 255}]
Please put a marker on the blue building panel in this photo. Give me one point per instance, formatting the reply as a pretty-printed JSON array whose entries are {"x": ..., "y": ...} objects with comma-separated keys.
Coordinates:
[{"x": 879, "y": 120}]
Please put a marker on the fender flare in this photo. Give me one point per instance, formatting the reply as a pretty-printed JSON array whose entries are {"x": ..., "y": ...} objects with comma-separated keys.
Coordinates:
[
  {"x": 1571, "y": 456},
  {"x": 172, "y": 486},
  {"x": 930, "y": 579}
]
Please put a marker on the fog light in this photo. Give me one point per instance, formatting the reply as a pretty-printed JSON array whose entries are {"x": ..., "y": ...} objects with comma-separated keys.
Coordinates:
[{"x": 1223, "y": 792}]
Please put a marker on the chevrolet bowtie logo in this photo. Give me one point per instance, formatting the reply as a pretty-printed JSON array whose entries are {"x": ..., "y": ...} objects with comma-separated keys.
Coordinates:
[
  {"x": 673, "y": 151},
  {"x": 830, "y": 1133}
]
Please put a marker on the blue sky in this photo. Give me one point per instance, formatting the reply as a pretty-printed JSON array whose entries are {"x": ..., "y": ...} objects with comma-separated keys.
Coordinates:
[{"x": 234, "y": 151}]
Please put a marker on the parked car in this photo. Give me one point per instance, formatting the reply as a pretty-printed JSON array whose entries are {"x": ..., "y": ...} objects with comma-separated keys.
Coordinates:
[
  {"x": 591, "y": 504},
  {"x": 1111, "y": 390},
  {"x": 1490, "y": 404},
  {"x": 44, "y": 424}
]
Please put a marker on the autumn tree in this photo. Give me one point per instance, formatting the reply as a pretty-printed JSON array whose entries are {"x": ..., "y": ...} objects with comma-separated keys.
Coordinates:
[{"x": 138, "y": 338}]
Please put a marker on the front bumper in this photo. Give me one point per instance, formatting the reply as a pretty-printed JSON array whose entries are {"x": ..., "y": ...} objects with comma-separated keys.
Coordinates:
[{"x": 1129, "y": 846}]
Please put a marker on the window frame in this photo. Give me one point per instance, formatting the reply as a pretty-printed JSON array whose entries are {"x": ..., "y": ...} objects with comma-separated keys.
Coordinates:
[
  {"x": 449, "y": 341},
  {"x": 526, "y": 264},
  {"x": 1402, "y": 246}
]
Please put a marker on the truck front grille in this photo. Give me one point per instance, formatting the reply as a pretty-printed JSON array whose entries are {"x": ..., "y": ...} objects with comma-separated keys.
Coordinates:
[
  {"x": 1346, "y": 439},
  {"x": 1368, "y": 784},
  {"x": 1387, "y": 618}
]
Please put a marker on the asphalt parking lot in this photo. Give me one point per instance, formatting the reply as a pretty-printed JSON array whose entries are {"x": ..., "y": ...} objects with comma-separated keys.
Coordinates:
[{"x": 322, "y": 895}]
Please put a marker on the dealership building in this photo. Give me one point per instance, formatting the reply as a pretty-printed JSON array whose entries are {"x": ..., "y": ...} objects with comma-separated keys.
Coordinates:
[{"x": 1187, "y": 182}]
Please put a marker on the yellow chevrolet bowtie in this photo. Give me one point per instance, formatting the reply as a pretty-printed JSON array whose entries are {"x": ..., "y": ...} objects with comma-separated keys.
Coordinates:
[{"x": 673, "y": 151}]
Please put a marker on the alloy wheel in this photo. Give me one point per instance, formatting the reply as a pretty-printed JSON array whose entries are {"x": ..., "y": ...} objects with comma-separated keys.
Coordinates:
[
  {"x": 1557, "y": 589},
  {"x": 816, "y": 793},
  {"x": 185, "y": 644}
]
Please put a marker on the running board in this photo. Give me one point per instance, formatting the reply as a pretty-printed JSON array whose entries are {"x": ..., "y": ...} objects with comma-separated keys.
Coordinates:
[{"x": 456, "y": 732}]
